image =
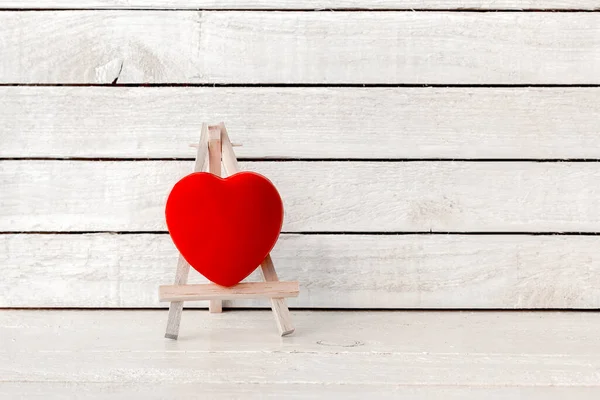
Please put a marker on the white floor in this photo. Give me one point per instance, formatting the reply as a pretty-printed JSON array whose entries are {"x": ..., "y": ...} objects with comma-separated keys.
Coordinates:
[{"x": 350, "y": 355}]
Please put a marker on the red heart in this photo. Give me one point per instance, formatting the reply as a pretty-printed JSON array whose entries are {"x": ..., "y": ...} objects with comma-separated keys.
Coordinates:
[{"x": 224, "y": 228}]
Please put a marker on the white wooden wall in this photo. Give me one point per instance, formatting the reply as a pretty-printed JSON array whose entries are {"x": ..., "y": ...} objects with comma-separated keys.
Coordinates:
[{"x": 431, "y": 154}]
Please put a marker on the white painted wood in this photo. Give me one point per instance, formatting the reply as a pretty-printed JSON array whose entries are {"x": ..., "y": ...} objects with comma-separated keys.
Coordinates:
[
  {"x": 315, "y": 122},
  {"x": 335, "y": 271},
  {"x": 541, "y": 333},
  {"x": 299, "y": 47},
  {"x": 252, "y": 391},
  {"x": 317, "y": 196},
  {"x": 485, "y": 351},
  {"x": 306, "y": 4}
]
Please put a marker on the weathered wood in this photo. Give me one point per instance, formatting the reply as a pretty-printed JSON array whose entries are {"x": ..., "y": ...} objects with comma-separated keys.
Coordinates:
[
  {"x": 243, "y": 290},
  {"x": 308, "y": 4},
  {"x": 542, "y": 350},
  {"x": 318, "y": 196},
  {"x": 305, "y": 390},
  {"x": 335, "y": 271},
  {"x": 315, "y": 122},
  {"x": 299, "y": 47},
  {"x": 531, "y": 333}
]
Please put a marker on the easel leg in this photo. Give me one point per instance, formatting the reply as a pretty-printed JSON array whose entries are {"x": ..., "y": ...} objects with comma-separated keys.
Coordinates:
[
  {"x": 214, "y": 167},
  {"x": 279, "y": 306},
  {"x": 176, "y": 307},
  {"x": 215, "y": 306},
  {"x": 183, "y": 268}
]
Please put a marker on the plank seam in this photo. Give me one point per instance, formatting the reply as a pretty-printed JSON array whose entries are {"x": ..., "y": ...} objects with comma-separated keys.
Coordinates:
[
  {"x": 263, "y": 160},
  {"x": 324, "y": 233},
  {"x": 325, "y": 309},
  {"x": 316, "y": 10},
  {"x": 313, "y": 85}
]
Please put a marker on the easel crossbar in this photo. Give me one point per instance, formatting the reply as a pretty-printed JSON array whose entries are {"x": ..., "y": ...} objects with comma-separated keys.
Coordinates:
[{"x": 247, "y": 290}]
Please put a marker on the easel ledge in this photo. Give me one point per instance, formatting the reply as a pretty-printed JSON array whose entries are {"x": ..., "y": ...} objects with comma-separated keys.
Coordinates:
[
  {"x": 215, "y": 143},
  {"x": 247, "y": 290}
]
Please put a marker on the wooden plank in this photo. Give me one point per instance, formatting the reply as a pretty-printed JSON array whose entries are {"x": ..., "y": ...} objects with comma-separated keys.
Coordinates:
[
  {"x": 244, "y": 290},
  {"x": 299, "y": 47},
  {"x": 318, "y": 196},
  {"x": 335, "y": 271},
  {"x": 258, "y": 391},
  {"x": 250, "y": 331},
  {"x": 307, "y": 4},
  {"x": 545, "y": 349},
  {"x": 131, "y": 122}
]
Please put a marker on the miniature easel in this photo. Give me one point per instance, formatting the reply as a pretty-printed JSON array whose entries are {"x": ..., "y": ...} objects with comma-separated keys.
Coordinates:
[{"x": 214, "y": 142}]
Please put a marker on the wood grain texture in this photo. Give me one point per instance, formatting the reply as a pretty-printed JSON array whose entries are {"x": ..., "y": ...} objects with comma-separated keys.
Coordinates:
[
  {"x": 299, "y": 47},
  {"x": 487, "y": 352},
  {"x": 335, "y": 271},
  {"x": 257, "y": 391},
  {"x": 243, "y": 290},
  {"x": 130, "y": 122},
  {"x": 306, "y": 4},
  {"x": 318, "y": 196}
]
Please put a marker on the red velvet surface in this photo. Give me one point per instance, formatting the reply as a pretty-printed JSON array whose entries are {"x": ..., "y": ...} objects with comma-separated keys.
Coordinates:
[{"x": 224, "y": 228}]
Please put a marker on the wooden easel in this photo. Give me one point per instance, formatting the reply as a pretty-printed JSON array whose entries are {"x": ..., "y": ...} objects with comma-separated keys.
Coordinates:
[{"x": 214, "y": 142}]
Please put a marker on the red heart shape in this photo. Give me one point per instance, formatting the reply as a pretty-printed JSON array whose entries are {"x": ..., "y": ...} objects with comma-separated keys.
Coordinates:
[{"x": 224, "y": 228}]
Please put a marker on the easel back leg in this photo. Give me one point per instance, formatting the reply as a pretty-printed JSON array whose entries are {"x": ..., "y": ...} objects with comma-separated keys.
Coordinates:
[
  {"x": 183, "y": 268},
  {"x": 215, "y": 306},
  {"x": 279, "y": 305}
]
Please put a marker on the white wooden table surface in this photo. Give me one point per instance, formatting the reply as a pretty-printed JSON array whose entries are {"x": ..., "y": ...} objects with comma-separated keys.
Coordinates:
[{"x": 350, "y": 354}]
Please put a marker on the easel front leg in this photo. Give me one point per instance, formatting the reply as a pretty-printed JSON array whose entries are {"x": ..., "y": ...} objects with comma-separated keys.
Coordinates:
[
  {"x": 278, "y": 305},
  {"x": 183, "y": 268},
  {"x": 176, "y": 307}
]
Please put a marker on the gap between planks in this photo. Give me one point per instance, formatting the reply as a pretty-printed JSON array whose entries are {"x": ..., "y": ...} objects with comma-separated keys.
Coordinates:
[
  {"x": 333, "y": 85},
  {"x": 309, "y": 5}
]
